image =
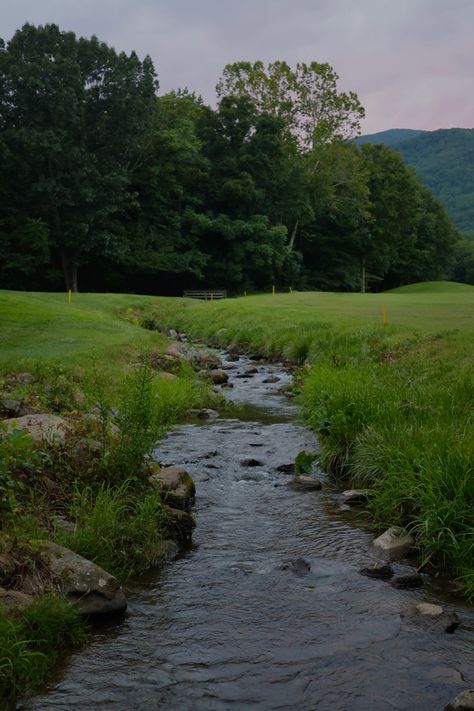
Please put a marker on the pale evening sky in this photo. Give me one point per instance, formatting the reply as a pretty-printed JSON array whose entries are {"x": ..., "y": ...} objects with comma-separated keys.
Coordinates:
[{"x": 410, "y": 61}]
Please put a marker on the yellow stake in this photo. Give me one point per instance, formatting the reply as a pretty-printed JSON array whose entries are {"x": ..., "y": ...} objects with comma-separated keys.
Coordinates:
[
  {"x": 385, "y": 316},
  {"x": 69, "y": 296},
  {"x": 291, "y": 290},
  {"x": 273, "y": 290}
]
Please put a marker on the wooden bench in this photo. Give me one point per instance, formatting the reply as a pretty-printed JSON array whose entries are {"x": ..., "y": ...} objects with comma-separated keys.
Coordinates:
[{"x": 206, "y": 294}]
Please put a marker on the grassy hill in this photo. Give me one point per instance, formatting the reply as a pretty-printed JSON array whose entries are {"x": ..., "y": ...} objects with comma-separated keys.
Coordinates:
[{"x": 444, "y": 160}]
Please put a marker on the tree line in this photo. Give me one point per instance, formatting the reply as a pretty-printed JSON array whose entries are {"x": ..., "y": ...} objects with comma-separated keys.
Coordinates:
[{"x": 108, "y": 185}]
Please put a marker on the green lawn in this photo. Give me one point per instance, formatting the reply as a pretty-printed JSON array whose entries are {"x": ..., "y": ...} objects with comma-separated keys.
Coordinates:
[{"x": 42, "y": 327}]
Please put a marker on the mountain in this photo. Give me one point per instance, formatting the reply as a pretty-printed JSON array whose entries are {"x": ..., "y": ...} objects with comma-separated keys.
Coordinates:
[
  {"x": 444, "y": 160},
  {"x": 390, "y": 138}
]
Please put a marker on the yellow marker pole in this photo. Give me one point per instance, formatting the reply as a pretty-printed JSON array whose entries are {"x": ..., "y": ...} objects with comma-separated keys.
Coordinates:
[
  {"x": 273, "y": 290},
  {"x": 245, "y": 292},
  {"x": 69, "y": 296},
  {"x": 385, "y": 316},
  {"x": 291, "y": 290}
]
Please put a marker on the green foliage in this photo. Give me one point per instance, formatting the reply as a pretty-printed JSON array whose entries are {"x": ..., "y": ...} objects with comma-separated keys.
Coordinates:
[
  {"x": 119, "y": 528},
  {"x": 303, "y": 462},
  {"x": 16, "y": 458},
  {"x": 30, "y": 644}
]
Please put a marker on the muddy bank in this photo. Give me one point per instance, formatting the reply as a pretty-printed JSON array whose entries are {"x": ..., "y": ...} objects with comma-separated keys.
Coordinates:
[{"x": 234, "y": 623}]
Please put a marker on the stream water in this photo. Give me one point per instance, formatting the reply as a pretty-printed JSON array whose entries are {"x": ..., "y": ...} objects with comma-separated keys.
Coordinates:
[{"x": 225, "y": 627}]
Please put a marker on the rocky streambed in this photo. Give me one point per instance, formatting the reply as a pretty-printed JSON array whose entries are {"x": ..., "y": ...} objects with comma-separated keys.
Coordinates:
[{"x": 268, "y": 609}]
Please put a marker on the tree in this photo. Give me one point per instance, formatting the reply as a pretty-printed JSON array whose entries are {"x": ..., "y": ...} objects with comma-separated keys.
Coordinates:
[
  {"x": 73, "y": 118},
  {"x": 306, "y": 98}
]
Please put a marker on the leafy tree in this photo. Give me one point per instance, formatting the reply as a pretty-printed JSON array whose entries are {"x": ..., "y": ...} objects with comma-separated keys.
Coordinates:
[{"x": 73, "y": 116}]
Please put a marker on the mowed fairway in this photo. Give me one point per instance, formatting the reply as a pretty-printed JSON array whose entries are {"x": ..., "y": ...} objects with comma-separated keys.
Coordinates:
[
  {"x": 430, "y": 306},
  {"x": 44, "y": 327}
]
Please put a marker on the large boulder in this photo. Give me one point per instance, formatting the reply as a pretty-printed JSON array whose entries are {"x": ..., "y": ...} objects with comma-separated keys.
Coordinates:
[
  {"x": 40, "y": 427},
  {"x": 177, "y": 486},
  {"x": 89, "y": 587},
  {"x": 395, "y": 543},
  {"x": 462, "y": 702}
]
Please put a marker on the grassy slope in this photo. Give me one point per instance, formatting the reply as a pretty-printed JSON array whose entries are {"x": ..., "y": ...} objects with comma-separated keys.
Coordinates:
[{"x": 41, "y": 326}]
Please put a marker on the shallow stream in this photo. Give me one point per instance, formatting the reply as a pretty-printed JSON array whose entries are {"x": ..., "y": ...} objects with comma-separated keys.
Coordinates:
[{"x": 224, "y": 627}]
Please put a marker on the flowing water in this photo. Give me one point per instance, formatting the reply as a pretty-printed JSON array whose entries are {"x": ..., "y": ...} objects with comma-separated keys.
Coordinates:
[{"x": 225, "y": 627}]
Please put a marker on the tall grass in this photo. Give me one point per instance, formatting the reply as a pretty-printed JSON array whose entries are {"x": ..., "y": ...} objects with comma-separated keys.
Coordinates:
[
  {"x": 30, "y": 644},
  {"x": 119, "y": 528}
]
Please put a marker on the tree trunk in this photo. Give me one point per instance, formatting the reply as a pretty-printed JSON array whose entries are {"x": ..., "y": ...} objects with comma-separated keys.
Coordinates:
[
  {"x": 362, "y": 275},
  {"x": 293, "y": 236}
]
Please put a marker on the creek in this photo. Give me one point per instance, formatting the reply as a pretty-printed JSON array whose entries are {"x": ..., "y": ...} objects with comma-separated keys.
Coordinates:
[{"x": 228, "y": 626}]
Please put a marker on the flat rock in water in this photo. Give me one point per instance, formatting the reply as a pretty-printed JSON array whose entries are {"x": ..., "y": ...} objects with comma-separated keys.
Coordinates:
[
  {"x": 407, "y": 581},
  {"x": 40, "y": 427},
  {"x": 251, "y": 462},
  {"x": 209, "y": 359},
  {"x": 89, "y": 587},
  {"x": 176, "y": 485},
  {"x": 232, "y": 358},
  {"x": 205, "y": 413},
  {"x": 305, "y": 483},
  {"x": 462, "y": 702},
  {"x": 394, "y": 543},
  {"x": 380, "y": 571},
  {"x": 271, "y": 379},
  {"x": 285, "y": 468},
  {"x": 438, "y": 618},
  {"x": 354, "y": 497},
  {"x": 251, "y": 371},
  {"x": 219, "y": 376}
]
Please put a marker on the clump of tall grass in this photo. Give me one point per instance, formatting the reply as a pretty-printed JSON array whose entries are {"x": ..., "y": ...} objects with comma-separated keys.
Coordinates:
[
  {"x": 31, "y": 643},
  {"x": 119, "y": 528}
]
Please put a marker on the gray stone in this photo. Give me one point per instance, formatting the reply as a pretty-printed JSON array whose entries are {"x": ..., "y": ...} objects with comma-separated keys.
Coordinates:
[
  {"x": 209, "y": 359},
  {"x": 14, "y": 602},
  {"x": 219, "y": 376},
  {"x": 437, "y": 618},
  {"x": 283, "y": 468},
  {"x": 40, "y": 427},
  {"x": 462, "y": 702},
  {"x": 24, "y": 377},
  {"x": 271, "y": 379},
  {"x": 10, "y": 406},
  {"x": 407, "y": 581},
  {"x": 427, "y": 609},
  {"x": 251, "y": 462},
  {"x": 205, "y": 413},
  {"x": 179, "y": 524},
  {"x": 62, "y": 523},
  {"x": 232, "y": 358},
  {"x": 380, "y": 571},
  {"x": 354, "y": 497},
  {"x": 305, "y": 483},
  {"x": 394, "y": 543},
  {"x": 177, "y": 486},
  {"x": 175, "y": 350},
  {"x": 251, "y": 371},
  {"x": 89, "y": 587},
  {"x": 172, "y": 334}
]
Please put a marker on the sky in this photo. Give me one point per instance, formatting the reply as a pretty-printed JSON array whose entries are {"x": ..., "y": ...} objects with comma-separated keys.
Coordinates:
[{"x": 411, "y": 62}]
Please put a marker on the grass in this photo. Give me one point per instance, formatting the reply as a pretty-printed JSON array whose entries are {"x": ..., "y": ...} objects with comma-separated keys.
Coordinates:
[{"x": 30, "y": 645}]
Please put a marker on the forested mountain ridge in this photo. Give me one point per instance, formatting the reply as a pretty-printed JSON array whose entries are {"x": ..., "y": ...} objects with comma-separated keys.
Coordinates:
[
  {"x": 106, "y": 184},
  {"x": 444, "y": 160}
]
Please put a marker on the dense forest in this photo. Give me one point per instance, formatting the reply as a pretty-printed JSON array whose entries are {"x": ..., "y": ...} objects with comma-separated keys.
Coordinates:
[{"x": 106, "y": 184}]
